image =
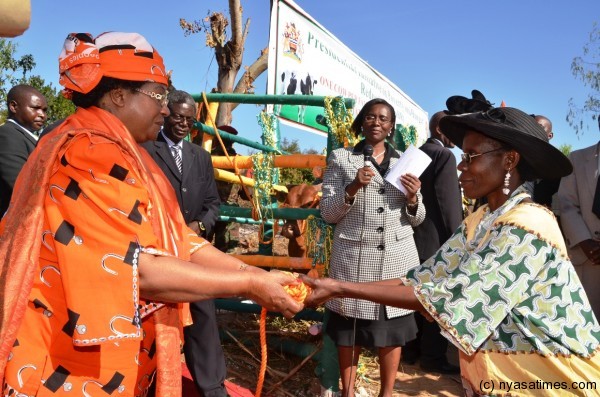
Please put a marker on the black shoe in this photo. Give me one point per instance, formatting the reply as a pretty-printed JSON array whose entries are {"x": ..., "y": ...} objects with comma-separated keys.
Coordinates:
[{"x": 443, "y": 368}]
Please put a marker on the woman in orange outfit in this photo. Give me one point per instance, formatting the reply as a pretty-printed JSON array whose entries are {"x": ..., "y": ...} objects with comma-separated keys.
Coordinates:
[{"x": 94, "y": 253}]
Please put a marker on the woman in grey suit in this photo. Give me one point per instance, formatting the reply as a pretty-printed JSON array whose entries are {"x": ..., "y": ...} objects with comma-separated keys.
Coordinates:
[{"x": 373, "y": 241}]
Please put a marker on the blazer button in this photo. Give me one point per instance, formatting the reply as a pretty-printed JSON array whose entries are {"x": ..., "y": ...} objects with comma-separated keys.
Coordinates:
[
  {"x": 380, "y": 247},
  {"x": 380, "y": 229},
  {"x": 187, "y": 212},
  {"x": 379, "y": 210},
  {"x": 183, "y": 189},
  {"x": 381, "y": 191}
]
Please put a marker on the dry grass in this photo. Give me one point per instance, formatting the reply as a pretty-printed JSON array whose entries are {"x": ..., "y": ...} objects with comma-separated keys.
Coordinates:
[{"x": 292, "y": 375}]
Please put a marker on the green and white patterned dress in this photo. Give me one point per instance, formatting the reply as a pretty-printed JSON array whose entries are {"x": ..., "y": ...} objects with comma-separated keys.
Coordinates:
[{"x": 505, "y": 293}]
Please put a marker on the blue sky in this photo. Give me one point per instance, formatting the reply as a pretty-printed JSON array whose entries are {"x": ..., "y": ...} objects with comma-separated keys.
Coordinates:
[{"x": 516, "y": 51}]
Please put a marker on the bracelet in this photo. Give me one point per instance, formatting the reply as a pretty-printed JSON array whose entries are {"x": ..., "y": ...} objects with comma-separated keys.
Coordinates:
[
  {"x": 412, "y": 206},
  {"x": 348, "y": 198},
  {"x": 201, "y": 226}
]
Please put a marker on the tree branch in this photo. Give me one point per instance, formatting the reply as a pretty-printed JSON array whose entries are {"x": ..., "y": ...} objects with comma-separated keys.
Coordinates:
[{"x": 245, "y": 84}]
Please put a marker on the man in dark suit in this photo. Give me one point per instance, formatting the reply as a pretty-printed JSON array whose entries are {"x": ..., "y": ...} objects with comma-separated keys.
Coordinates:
[
  {"x": 189, "y": 169},
  {"x": 443, "y": 203},
  {"x": 18, "y": 136}
]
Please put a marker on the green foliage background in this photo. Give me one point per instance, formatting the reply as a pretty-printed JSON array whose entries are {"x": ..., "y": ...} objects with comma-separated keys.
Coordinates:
[{"x": 295, "y": 176}]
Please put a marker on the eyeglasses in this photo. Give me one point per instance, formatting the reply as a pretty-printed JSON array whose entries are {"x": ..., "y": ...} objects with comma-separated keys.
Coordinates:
[
  {"x": 468, "y": 157},
  {"x": 382, "y": 119},
  {"x": 161, "y": 98},
  {"x": 178, "y": 118}
]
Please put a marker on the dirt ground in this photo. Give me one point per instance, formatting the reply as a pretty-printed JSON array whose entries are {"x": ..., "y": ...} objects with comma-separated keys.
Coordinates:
[{"x": 291, "y": 375}]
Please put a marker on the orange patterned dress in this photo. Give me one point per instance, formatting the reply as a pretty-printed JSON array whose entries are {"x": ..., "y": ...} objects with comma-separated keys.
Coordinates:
[{"x": 85, "y": 329}]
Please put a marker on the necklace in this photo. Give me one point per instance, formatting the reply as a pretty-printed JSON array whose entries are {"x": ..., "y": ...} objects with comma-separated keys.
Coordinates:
[{"x": 379, "y": 155}]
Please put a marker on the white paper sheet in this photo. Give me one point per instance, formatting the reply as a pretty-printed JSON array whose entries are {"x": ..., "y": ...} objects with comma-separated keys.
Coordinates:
[{"x": 413, "y": 161}]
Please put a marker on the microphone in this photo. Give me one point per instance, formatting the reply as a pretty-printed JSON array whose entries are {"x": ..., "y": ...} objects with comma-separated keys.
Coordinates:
[{"x": 368, "y": 152}]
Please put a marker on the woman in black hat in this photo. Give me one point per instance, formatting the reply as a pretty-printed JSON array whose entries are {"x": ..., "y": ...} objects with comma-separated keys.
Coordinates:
[{"x": 502, "y": 287}]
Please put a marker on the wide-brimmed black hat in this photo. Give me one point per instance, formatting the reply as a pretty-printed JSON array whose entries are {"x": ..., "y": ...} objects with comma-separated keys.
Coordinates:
[{"x": 518, "y": 130}]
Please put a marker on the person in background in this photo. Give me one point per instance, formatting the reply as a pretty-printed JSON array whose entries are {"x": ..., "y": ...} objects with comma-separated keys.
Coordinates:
[
  {"x": 545, "y": 123},
  {"x": 502, "y": 288},
  {"x": 443, "y": 201},
  {"x": 187, "y": 166},
  {"x": 545, "y": 189},
  {"x": 373, "y": 241},
  {"x": 579, "y": 204},
  {"x": 18, "y": 135},
  {"x": 189, "y": 169},
  {"x": 94, "y": 302}
]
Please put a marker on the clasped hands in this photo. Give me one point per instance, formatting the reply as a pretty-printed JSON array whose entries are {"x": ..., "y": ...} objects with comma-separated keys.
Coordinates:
[{"x": 324, "y": 289}]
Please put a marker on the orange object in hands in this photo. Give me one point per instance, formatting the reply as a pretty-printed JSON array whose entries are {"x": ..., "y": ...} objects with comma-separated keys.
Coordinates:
[{"x": 298, "y": 291}]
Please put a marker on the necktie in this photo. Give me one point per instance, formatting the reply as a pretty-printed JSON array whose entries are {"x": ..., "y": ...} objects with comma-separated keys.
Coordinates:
[
  {"x": 596, "y": 202},
  {"x": 175, "y": 150}
]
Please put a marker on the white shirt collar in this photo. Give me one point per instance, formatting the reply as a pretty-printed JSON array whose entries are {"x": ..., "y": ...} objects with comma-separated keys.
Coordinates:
[
  {"x": 170, "y": 142},
  {"x": 34, "y": 136}
]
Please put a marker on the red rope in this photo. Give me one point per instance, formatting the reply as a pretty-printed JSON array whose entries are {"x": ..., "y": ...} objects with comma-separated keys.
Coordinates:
[{"x": 298, "y": 292}]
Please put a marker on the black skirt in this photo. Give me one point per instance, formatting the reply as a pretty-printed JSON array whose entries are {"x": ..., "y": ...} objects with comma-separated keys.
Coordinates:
[{"x": 384, "y": 332}]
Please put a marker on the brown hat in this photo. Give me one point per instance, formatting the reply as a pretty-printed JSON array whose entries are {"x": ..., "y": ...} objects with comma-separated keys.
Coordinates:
[{"x": 516, "y": 129}]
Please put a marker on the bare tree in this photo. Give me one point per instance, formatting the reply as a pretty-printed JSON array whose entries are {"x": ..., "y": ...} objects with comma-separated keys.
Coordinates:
[
  {"x": 229, "y": 54},
  {"x": 587, "y": 69}
]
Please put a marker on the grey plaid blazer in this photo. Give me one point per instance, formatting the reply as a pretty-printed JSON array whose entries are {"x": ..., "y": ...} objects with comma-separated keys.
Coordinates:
[{"x": 373, "y": 237}]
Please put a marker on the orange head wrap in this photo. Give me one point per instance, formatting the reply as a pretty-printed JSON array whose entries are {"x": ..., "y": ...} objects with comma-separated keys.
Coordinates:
[{"x": 84, "y": 60}]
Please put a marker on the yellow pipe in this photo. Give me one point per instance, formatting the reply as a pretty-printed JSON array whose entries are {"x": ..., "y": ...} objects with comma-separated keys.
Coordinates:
[
  {"x": 207, "y": 141},
  {"x": 230, "y": 177},
  {"x": 287, "y": 161}
]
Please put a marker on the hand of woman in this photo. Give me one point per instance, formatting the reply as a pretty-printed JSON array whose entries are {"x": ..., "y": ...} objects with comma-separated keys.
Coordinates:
[
  {"x": 267, "y": 290},
  {"x": 412, "y": 185},
  {"x": 363, "y": 176},
  {"x": 322, "y": 290}
]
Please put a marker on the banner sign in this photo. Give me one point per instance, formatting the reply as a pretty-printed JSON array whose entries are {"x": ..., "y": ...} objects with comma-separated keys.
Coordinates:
[{"x": 306, "y": 59}]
